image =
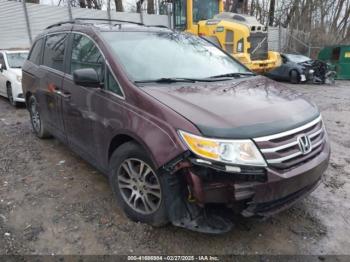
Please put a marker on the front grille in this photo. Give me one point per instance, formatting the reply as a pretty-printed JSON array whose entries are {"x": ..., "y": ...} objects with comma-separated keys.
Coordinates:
[
  {"x": 258, "y": 46},
  {"x": 282, "y": 151}
]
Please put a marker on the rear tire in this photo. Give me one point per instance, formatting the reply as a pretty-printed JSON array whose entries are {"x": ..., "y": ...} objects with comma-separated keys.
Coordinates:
[
  {"x": 38, "y": 124},
  {"x": 10, "y": 95},
  {"x": 294, "y": 77},
  {"x": 138, "y": 188}
]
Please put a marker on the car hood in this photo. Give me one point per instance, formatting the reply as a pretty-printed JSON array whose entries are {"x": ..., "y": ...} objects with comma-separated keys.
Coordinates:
[{"x": 245, "y": 108}]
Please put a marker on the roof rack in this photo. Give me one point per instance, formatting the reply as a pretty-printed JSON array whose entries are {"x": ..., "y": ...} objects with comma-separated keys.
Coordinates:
[{"x": 78, "y": 19}]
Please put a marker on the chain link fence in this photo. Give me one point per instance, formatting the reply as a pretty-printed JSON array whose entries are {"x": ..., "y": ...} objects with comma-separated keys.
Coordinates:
[{"x": 284, "y": 40}]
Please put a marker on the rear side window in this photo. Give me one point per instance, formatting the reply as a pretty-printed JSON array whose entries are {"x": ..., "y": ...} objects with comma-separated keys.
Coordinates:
[
  {"x": 85, "y": 54},
  {"x": 54, "y": 51},
  {"x": 35, "y": 54}
]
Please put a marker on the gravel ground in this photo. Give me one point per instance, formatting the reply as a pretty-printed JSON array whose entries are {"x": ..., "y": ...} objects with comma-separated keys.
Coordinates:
[{"x": 53, "y": 202}]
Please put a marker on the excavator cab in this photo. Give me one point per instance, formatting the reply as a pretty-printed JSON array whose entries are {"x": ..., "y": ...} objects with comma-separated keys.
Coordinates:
[{"x": 187, "y": 13}]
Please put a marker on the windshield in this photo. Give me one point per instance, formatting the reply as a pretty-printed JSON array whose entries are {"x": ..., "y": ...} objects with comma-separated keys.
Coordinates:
[
  {"x": 297, "y": 58},
  {"x": 204, "y": 9},
  {"x": 155, "y": 55},
  {"x": 16, "y": 60}
]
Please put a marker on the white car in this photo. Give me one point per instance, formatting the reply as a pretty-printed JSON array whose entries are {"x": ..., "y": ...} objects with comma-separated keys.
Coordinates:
[{"x": 11, "y": 75}]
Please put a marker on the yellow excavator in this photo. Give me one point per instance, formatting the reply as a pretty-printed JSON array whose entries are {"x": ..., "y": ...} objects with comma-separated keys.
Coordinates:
[{"x": 240, "y": 35}]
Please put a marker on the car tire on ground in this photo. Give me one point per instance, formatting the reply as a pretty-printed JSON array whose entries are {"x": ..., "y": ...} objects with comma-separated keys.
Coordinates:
[
  {"x": 10, "y": 95},
  {"x": 38, "y": 124},
  {"x": 294, "y": 77},
  {"x": 138, "y": 188}
]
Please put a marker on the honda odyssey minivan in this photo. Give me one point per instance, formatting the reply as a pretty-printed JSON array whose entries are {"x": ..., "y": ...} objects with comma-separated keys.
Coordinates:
[{"x": 183, "y": 131}]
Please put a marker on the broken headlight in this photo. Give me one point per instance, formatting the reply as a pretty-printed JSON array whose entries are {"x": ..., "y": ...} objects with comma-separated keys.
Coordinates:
[{"x": 238, "y": 152}]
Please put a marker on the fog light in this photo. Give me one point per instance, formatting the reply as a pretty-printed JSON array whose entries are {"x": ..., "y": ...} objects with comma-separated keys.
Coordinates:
[{"x": 235, "y": 169}]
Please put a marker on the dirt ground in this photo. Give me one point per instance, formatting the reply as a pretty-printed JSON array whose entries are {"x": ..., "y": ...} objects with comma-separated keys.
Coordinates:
[{"x": 53, "y": 202}]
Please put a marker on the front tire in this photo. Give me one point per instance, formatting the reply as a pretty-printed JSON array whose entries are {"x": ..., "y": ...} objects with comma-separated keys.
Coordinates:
[
  {"x": 138, "y": 188},
  {"x": 10, "y": 95},
  {"x": 294, "y": 77},
  {"x": 38, "y": 124}
]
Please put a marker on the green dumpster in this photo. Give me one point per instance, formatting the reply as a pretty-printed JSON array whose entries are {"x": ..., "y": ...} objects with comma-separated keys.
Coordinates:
[{"x": 339, "y": 56}]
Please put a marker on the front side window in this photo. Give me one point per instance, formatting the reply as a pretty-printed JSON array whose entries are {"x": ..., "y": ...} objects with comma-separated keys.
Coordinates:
[
  {"x": 85, "y": 54},
  {"x": 204, "y": 9},
  {"x": 155, "y": 55},
  {"x": 16, "y": 60},
  {"x": 54, "y": 51},
  {"x": 35, "y": 54},
  {"x": 112, "y": 85}
]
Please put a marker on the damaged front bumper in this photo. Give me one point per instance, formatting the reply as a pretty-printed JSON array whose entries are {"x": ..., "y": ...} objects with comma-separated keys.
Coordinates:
[
  {"x": 253, "y": 191},
  {"x": 318, "y": 72}
]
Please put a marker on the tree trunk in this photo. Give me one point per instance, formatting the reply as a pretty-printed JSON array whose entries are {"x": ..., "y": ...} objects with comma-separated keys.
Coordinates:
[
  {"x": 252, "y": 7},
  {"x": 139, "y": 5},
  {"x": 150, "y": 6},
  {"x": 291, "y": 13},
  {"x": 272, "y": 12},
  {"x": 119, "y": 5},
  {"x": 239, "y": 6},
  {"x": 227, "y": 5},
  {"x": 82, "y": 4},
  {"x": 89, "y": 3},
  {"x": 235, "y": 5}
]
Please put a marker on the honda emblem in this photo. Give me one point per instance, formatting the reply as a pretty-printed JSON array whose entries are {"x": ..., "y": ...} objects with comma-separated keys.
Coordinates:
[{"x": 304, "y": 144}]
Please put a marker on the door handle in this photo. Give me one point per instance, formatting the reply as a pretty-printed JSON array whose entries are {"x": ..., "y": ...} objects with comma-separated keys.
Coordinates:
[{"x": 65, "y": 95}]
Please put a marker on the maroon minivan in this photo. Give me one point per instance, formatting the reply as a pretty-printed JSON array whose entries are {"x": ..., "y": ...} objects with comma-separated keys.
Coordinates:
[{"x": 185, "y": 133}]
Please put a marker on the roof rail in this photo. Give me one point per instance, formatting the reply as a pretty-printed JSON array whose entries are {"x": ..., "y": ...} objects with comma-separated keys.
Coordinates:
[
  {"x": 78, "y": 19},
  {"x": 60, "y": 23}
]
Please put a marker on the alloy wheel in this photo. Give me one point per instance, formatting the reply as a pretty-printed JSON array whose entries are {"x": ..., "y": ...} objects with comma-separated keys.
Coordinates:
[
  {"x": 9, "y": 95},
  {"x": 139, "y": 186},
  {"x": 35, "y": 117}
]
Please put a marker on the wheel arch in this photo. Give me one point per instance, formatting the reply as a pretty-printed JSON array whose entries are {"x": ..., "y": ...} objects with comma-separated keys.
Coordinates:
[
  {"x": 27, "y": 96},
  {"x": 122, "y": 138}
]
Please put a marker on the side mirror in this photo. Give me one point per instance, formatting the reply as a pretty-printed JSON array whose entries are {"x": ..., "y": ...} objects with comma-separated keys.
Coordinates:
[
  {"x": 86, "y": 77},
  {"x": 1, "y": 68}
]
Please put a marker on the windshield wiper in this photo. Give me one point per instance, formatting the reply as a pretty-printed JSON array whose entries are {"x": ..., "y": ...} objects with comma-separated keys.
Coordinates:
[
  {"x": 233, "y": 75},
  {"x": 174, "y": 80}
]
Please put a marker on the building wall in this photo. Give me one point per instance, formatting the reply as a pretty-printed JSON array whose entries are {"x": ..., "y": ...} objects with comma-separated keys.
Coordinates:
[{"x": 13, "y": 27}]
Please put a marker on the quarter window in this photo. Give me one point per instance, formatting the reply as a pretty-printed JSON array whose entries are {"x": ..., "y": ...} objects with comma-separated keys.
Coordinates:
[
  {"x": 2, "y": 61},
  {"x": 85, "y": 54},
  {"x": 54, "y": 51},
  {"x": 35, "y": 54},
  {"x": 112, "y": 84}
]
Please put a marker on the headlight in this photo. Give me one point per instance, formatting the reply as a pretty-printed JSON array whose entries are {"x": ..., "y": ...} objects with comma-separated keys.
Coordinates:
[
  {"x": 311, "y": 71},
  {"x": 239, "y": 152},
  {"x": 19, "y": 78}
]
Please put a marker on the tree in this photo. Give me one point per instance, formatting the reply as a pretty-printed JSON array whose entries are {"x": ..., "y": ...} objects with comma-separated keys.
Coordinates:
[
  {"x": 150, "y": 6},
  {"x": 139, "y": 4},
  {"x": 239, "y": 6},
  {"x": 119, "y": 5},
  {"x": 272, "y": 12}
]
